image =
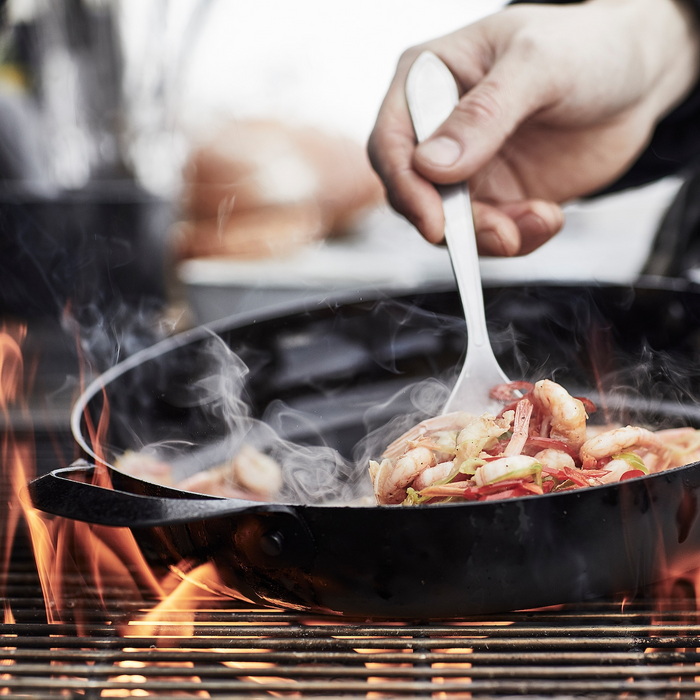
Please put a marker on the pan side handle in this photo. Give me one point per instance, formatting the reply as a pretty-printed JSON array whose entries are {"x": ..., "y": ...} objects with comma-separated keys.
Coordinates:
[
  {"x": 266, "y": 535},
  {"x": 59, "y": 493}
]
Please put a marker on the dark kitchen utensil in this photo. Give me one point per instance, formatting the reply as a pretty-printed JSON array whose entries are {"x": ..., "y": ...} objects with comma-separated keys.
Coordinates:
[{"x": 428, "y": 561}]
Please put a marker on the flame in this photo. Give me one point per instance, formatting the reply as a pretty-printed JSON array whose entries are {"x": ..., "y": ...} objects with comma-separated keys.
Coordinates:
[
  {"x": 14, "y": 454},
  {"x": 166, "y": 621},
  {"x": 102, "y": 559},
  {"x": 62, "y": 548},
  {"x": 79, "y": 564}
]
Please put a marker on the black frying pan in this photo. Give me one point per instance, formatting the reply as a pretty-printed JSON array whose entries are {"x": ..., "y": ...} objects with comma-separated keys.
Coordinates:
[{"x": 429, "y": 561}]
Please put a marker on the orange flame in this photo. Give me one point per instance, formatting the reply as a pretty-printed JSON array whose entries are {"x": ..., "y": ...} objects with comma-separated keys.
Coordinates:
[
  {"x": 101, "y": 559},
  {"x": 63, "y": 549}
]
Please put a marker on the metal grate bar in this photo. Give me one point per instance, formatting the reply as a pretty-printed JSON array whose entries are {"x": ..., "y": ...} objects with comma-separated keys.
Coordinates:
[
  {"x": 427, "y": 632},
  {"x": 317, "y": 671},
  {"x": 224, "y": 641},
  {"x": 281, "y": 657},
  {"x": 339, "y": 687}
]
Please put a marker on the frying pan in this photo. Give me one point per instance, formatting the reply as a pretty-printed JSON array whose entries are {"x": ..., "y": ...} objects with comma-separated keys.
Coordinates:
[{"x": 333, "y": 360}]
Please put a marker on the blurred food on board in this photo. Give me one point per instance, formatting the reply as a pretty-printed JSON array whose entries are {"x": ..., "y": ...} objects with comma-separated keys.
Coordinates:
[{"x": 259, "y": 189}]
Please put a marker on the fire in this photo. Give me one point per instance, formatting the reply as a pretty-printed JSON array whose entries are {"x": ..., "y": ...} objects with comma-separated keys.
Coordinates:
[
  {"x": 171, "y": 606},
  {"x": 16, "y": 456},
  {"x": 102, "y": 561}
]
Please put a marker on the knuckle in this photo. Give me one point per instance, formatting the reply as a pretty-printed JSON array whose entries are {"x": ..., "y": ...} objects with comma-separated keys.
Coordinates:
[
  {"x": 528, "y": 44},
  {"x": 410, "y": 55},
  {"x": 484, "y": 104}
]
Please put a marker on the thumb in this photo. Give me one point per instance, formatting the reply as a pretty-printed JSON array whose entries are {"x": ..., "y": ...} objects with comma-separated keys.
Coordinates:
[{"x": 478, "y": 126}]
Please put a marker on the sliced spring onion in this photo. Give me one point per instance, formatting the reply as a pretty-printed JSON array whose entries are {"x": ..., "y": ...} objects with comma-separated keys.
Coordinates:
[
  {"x": 414, "y": 498},
  {"x": 533, "y": 470},
  {"x": 469, "y": 466},
  {"x": 634, "y": 460}
]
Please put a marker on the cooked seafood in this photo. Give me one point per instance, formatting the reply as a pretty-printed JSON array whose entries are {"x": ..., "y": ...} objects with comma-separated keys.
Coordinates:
[
  {"x": 537, "y": 444},
  {"x": 251, "y": 475}
]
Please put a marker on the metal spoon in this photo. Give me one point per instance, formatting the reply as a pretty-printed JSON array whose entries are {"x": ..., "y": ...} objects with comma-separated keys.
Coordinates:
[{"x": 432, "y": 94}]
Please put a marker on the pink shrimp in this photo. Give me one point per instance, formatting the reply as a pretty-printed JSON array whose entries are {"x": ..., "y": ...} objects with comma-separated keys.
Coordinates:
[
  {"x": 567, "y": 415},
  {"x": 391, "y": 479},
  {"x": 621, "y": 439},
  {"x": 432, "y": 474}
]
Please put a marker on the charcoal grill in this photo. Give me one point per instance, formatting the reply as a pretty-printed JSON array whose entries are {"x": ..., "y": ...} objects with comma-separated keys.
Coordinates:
[
  {"x": 600, "y": 649},
  {"x": 595, "y": 650}
]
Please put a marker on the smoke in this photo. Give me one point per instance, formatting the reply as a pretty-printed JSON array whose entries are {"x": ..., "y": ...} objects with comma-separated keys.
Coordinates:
[
  {"x": 657, "y": 389},
  {"x": 426, "y": 399},
  {"x": 323, "y": 393},
  {"x": 108, "y": 336},
  {"x": 312, "y": 471},
  {"x": 310, "y": 395}
]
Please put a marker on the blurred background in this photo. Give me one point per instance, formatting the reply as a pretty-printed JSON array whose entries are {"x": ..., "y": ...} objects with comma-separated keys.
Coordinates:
[{"x": 200, "y": 158}]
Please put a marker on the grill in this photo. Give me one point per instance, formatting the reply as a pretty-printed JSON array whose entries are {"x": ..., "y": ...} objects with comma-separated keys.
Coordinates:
[
  {"x": 602, "y": 649},
  {"x": 222, "y": 648}
]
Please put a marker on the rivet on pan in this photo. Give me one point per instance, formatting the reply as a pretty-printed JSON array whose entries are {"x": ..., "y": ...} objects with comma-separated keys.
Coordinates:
[{"x": 272, "y": 543}]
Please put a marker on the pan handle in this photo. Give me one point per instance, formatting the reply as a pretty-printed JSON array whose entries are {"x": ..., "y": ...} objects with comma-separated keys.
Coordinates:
[{"x": 59, "y": 494}]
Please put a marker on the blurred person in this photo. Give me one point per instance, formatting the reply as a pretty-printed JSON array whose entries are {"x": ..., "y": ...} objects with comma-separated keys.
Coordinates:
[{"x": 558, "y": 101}]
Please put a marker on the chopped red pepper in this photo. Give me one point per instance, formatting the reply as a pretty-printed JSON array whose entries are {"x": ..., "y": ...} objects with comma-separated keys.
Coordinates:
[
  {"x": 632, "y": 474},
  {"x": 506, "y": 392},
  {"x": 588, "y": 405},
  {"x": 578, "y": 477}
]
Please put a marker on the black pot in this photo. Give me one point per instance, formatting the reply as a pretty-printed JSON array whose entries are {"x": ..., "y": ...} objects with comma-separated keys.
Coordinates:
[{"x": 431, "y": 561}]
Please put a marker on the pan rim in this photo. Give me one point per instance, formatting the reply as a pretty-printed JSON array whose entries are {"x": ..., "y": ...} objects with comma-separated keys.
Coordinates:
[{"x": 237, "y": 321}]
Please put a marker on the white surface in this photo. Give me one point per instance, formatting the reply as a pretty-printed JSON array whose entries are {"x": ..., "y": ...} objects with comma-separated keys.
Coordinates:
[
  {"x": 310, "y": 61},
  {"x": 387, "y": 252},
  {"x": 192, "y": 64},
  {"x": 604, "y": 240}
]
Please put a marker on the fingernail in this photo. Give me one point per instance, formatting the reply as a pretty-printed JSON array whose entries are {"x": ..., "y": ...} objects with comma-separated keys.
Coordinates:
[
  {"x": 490, "y": 243},
  {"x": 441, "y": 151},
  {"x": 531, "y": 225}
]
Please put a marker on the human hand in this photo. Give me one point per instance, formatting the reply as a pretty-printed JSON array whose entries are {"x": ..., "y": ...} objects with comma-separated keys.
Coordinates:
[{"x": 557, "y": 102}]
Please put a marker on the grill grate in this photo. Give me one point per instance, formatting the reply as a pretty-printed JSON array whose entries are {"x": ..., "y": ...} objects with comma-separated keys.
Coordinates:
[{"x": 599, "y": 650}]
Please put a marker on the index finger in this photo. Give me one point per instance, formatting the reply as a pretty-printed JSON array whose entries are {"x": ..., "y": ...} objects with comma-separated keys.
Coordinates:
[{"x": 391, "y": 146}]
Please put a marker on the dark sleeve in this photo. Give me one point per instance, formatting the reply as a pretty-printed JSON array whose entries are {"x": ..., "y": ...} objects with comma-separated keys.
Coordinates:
[{"x": 675, "y": 143}]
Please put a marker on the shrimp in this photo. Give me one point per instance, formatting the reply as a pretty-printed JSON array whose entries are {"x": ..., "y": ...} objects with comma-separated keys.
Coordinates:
[
  {"x": 500, "y": 468},
  {"x": 620, "y": 439},
  {"x": 145, "y": 466},
  {"x": 555, "y": 460},
  {"x": 615, "y": 468},
  {"x": 431, "y": 445},
  {"x": 521, "y": 423},
  {"x": 425, "y": 430},
  {"x": 391, "y": 479},
  {"x": 477, "y": 436},
  {"x": 443, "y": 443},
  {"x": 684, "y": 444},
  {"x": 567, "y": 414},
  {"x": 257, "y": 472},
  {"x": 433, "y": 474}
]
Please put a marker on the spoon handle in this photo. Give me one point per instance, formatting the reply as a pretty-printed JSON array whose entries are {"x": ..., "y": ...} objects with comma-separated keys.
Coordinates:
[
  {"x": 432, "y": 94},
  {"x": 461, "y": 240}
]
